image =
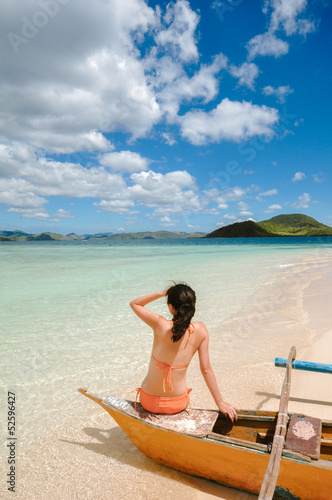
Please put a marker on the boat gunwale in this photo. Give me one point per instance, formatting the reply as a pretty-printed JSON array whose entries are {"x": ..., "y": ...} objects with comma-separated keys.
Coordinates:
[
  {"x": 243, "y": 414},
  {"x": 242, "y": 444},
  {"x": 254, "y": 415}
]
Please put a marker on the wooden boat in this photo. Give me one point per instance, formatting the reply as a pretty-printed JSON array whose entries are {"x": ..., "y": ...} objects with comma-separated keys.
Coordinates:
[{"x": 206, "y": 444}]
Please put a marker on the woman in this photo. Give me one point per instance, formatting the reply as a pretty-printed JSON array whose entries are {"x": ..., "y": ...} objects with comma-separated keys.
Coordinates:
[{"x": 164, "y": 389}]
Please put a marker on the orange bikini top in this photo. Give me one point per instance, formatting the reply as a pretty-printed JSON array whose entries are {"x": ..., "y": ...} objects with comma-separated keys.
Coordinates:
[{"x": 161, "y": 365}]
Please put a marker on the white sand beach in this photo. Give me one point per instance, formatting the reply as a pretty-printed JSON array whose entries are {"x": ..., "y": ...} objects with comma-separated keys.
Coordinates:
[{"x": 91, "y": 458}]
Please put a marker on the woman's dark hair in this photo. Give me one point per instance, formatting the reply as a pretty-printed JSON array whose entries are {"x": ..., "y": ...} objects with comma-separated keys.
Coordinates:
[{"x": 183, "y": 299}]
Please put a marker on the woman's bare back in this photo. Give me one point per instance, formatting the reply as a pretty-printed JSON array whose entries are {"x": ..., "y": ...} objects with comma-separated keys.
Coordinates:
[
  {"x": 173, "y": 349},
  {"x": 169, "y": 360}
]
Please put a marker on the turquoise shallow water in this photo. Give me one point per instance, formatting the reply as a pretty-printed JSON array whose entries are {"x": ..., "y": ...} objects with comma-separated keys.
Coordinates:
[{"x": 66, "y": 321}]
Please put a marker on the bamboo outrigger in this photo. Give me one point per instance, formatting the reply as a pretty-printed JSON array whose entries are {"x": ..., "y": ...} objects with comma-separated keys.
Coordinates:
[{"x": 237, "y": 454}]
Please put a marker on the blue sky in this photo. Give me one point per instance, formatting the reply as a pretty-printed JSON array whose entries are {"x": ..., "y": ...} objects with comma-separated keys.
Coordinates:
[{"x": 184, "y": 116}]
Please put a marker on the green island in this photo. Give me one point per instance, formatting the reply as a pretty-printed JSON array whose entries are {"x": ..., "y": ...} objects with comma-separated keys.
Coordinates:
[{"x": 281, "y": 225}]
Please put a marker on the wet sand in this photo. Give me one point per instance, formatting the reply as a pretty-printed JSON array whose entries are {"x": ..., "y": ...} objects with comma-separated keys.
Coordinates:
[{"x": 91, "y": 458}]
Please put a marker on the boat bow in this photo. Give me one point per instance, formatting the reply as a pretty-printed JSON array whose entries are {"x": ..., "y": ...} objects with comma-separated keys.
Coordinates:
[{"x": 198, "y": 423}]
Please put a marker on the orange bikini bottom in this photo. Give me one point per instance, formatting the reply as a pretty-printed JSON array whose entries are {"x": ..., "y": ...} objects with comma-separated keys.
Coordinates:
[{"x": 161, "y": 404}]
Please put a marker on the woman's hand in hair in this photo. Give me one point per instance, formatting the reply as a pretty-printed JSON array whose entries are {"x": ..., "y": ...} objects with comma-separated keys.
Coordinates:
[{"x": 138, "y": 306}]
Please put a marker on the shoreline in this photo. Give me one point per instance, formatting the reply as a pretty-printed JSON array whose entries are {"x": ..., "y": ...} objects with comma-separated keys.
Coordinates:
[
  {"x": 314, "y": 390},
  {"x": 311, "y": 392},
  {"x": 92, "y": 446}
]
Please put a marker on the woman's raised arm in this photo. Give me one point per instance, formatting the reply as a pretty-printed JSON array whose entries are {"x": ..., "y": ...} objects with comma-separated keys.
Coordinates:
[
  {"x": 210, "y": 379},
  {"x": 138, "y": 306}
]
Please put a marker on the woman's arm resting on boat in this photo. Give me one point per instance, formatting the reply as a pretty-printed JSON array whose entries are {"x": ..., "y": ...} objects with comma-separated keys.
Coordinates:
[
  {"x": 138, "y": 306},
  {"x": 210, "y": 380}
]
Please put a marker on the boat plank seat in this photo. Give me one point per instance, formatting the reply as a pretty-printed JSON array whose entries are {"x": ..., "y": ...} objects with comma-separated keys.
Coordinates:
[
  {"x": 304, "y": 436},
  {"x": 198, "y": 423}
]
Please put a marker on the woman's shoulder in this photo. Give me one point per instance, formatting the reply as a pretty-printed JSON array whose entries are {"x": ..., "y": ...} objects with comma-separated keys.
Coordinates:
[
  {"x": 163, "y": 325},
  {"x": 200, "y": 328},
  {"x": 198, "y": 324}
]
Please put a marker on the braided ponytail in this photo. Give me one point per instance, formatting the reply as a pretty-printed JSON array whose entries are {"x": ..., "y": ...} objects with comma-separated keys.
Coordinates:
[{"x": 183, "y": 299}]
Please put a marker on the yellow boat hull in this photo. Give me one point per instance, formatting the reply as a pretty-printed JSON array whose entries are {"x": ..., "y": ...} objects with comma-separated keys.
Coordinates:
[{"x": 227, "y": 463}]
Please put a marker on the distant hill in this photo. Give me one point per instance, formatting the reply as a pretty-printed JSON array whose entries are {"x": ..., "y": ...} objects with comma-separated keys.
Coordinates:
[
  {"x": 156, "y": 235},
  {"x": 95, "y": 236},
  {"x": 247, "y": 229},
  {"x": 73, "y": 236},
  {"x": 281, "y": 225},
  {"x": 45, "y": 237},
  {"x": 13, "y": 235},
  {"x": 21, "y": 236},
  {"x": 295, "y": 225}
]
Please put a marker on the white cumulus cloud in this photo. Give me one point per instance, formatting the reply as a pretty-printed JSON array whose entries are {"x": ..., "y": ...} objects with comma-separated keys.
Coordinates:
[
  {"x": 124, "y": 161},
  {"x": 302, "y": 202},
  {"x": 173, "y": 86},
  {"x": 280, "y": 92},
  {"x": 230, "y": 120},
  {"x": 76, "y": 77},
  {"x": 178, "y": 34},
  {"x": 273, "y": 208},
  {"x": 121, "y": 206},
  {"x": 282, "y": 15},
  {"x": 37, "y": 178},
  {"x": 170, "y": 193},
  {"x": 285, "y": 15},
  {"x": 246, "y": 73},
  {"x": 266, "y": 44},
  {"x": 270, "y": 192},
  {"x": 298, "y": 176}
]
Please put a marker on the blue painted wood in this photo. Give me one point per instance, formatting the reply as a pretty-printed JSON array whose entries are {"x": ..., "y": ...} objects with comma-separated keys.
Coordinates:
[{"x": 305, "y": 365}]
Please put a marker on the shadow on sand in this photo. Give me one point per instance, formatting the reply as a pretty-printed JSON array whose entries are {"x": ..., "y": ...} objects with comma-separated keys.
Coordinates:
[
  {"x": 115, "y": 444},
  {"x": 268, "y": 396}
]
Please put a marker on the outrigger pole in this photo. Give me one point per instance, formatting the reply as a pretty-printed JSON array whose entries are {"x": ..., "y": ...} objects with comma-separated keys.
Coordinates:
[
  {"x": 272, "y": 471},
  {"x": 305, "y": 365}
]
